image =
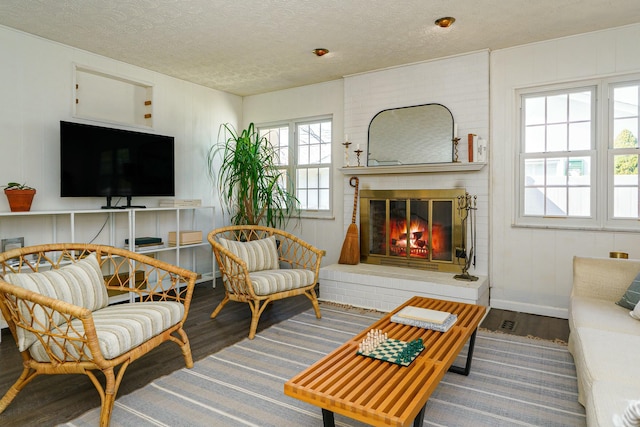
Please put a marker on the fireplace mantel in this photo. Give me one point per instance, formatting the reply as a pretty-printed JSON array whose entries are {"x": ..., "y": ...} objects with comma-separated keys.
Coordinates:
[{"x": 404, "y": 169}]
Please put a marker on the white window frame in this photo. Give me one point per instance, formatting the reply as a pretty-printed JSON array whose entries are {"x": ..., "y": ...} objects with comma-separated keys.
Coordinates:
[
  {"x": 602, "y": 152},
  {"x": 292, "y": 165}
]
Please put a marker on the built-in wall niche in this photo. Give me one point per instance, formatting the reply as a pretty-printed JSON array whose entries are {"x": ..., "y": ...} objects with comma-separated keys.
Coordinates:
[{"x": 113, "y": 99}]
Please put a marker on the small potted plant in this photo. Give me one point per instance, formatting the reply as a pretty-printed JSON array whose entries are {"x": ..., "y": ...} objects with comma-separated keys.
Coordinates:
[{"x": 19, "y": 196}]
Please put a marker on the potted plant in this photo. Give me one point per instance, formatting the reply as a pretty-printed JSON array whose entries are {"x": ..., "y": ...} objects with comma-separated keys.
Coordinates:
[
  {"x": 19, "y": 196},
  {"x": 250, "y": 182}
]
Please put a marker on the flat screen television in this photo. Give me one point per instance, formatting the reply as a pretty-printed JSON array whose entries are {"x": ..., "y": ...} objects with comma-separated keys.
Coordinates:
[{"x": 99, "y": 161}]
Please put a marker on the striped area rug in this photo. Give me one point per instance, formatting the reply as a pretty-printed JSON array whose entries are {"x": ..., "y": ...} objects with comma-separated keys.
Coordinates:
[{"x": 514, "y": 381}]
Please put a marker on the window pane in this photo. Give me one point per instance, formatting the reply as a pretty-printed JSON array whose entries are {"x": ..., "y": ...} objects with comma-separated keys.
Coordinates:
[
  {"x": 625, "y": 101},
  {"x": 302, "y": 198},
  {"x": 625, "y": 202},
  {"x": 312, "y": 199},
  {"x": 324, "y": 178},
  {"x": 535, "y": 139},
  {"x": 580, "y": 106},
  {"x": 302, "y": 178},
  {"x": 625, "y": 169},
  {"x": 580, "y": 136},
  {"x": 556, "y": 201},
  {"x": 535, "y": 114},
  {"x": 579, "y": 201},
  {"x": 579, "y": 171},
  {"x": 314, "y": 154},
  {"x": 303, "y": 155},
  {"x": 534, "y": 172},
  {"x": 557, "y": 108},
  {"x": 557, "y": 137},
  {"x": 534, "y": 201},
  {"x": 313, "y": 177},
  {"x": 625, "y": 133},
  {"x": 556, "y": 171}
]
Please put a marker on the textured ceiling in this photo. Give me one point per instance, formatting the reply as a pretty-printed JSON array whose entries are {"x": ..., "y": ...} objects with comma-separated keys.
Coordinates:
[{"x": 254, "y": 46}]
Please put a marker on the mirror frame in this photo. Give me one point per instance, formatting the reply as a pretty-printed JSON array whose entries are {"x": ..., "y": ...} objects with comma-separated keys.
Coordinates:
[{"x": 420, "y": 138}]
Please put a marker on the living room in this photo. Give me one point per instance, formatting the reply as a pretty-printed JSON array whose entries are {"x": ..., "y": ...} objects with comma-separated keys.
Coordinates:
[{"x": 529, "y": 267}]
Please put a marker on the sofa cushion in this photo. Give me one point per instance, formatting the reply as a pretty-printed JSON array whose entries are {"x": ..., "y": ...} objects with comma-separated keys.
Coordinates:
[
  {"x": 257, "y": 254},
  {"x": 607, "y": 356},
  {"x": 80, "y": 283},
  {"x": 632, "y": 296},
  {"x": 600, "y": 314},
  {"x": 267, "y": 282},
  {"x": 120, "y": 328}
]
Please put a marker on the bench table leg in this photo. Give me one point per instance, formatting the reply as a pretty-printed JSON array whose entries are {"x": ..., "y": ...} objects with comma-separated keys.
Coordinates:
[{"x": 467, "y": 368}]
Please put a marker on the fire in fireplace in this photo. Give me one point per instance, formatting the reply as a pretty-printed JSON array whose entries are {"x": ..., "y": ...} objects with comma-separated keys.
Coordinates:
[{"x": 411, "y": 228}]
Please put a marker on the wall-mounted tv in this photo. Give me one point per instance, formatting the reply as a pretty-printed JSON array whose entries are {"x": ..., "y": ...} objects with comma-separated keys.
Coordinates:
[{"x": 99, "y": 161}]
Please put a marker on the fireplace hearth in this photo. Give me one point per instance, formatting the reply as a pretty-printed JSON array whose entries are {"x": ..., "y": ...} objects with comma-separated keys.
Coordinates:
[{"x": 411, "y": 228}]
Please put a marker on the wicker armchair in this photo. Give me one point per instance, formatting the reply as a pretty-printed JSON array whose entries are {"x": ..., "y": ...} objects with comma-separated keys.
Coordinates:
[
  {"x": 260, "y": 264},
  {"x": 57, "y": 309}
]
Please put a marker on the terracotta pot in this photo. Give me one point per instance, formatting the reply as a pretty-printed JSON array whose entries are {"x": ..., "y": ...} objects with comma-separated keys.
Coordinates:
[{"x": 20, "y": 200}]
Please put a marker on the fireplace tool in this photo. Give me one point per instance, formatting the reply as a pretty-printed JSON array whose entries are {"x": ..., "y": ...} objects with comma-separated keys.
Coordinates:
[{"x": 467, "y": 207}]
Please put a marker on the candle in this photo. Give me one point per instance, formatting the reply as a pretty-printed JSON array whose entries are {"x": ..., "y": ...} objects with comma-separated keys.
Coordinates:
[
  {"x": 455, "y": 130},
  {"x": 358, "y": 145},
  {"x": 346, "y": 137}
]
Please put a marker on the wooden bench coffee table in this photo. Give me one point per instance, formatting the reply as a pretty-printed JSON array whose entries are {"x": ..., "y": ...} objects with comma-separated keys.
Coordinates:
[{"x": 381, "y": 393}]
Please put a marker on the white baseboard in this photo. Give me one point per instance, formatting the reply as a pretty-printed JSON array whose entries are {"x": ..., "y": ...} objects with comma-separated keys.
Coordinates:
[{"x": 561, "y": 313}]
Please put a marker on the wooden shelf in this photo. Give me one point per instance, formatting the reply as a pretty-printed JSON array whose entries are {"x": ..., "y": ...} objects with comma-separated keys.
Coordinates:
[{"x": 403, "y": 169}]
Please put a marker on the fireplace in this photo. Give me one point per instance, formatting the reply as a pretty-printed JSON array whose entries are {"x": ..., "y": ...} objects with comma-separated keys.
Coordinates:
[{"x": 411, "y": 228}]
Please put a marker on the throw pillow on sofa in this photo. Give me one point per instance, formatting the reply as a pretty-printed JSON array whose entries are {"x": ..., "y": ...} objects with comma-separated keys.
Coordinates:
[
  {"x": 636, "y": 312},
  {"x": 632, "y": 296}
]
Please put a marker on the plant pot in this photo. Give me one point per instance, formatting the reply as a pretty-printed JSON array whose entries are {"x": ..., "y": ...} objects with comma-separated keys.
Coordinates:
[{"x": 20, "y": 200}]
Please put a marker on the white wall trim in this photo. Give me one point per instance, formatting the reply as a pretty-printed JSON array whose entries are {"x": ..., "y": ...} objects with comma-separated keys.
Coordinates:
[{"x": 561, "y": 313}]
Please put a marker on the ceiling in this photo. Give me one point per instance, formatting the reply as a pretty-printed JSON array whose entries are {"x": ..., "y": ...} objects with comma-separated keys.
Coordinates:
[{"x": 248, "y": 47}]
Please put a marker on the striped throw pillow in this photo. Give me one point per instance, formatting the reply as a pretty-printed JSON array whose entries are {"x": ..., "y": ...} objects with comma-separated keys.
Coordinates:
[
  {"x": 79, "y": 284},
  {"x": 258, "y": 254}
]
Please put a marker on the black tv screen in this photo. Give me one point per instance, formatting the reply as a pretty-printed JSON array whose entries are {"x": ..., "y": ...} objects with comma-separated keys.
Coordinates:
[{"x": 98, "y": 161}]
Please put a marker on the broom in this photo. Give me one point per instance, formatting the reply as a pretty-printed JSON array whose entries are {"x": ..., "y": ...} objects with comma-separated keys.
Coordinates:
[{"x": 350, "y": 253}]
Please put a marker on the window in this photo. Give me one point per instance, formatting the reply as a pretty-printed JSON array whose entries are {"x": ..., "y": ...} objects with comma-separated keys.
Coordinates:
[
  {"x": 578, "y": 158},
  {"x": 623, "y": 156},
  {"x": 307, "y": 161}
]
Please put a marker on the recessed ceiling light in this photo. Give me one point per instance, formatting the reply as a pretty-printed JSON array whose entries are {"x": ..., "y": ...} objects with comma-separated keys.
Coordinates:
[
  {"x": 445, "y": 22},
  {"x": 320, "y": 51}
]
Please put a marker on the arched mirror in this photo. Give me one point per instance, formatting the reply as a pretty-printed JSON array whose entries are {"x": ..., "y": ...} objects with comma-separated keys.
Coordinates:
[{"x": 411, "y": 135}]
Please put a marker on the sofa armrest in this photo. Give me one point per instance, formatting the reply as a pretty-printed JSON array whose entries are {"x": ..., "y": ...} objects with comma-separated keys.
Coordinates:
[{"x": 603, "y": 278}]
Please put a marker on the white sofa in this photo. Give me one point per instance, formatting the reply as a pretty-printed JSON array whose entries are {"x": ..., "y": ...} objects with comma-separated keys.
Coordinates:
[{"x": 604, "y": 338}]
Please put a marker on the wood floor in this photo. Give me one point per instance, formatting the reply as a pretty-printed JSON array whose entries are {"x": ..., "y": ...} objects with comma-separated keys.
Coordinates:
[{"x": 49, "y": 400}]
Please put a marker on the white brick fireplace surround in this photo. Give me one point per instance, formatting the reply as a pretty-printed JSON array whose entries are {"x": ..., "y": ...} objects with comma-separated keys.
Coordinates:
[
  {"x": 385, "y": 288},
  {"x": 461, "y": 83}
]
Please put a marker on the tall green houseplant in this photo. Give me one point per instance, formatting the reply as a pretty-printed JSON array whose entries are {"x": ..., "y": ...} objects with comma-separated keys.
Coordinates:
[{"x": 250, "y": 183}]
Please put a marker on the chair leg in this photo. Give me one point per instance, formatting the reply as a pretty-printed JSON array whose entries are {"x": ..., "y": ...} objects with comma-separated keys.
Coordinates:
[
  {"x": 256, "y": 312},
  {"x": 107, "y": 394},
  {"x": 314, "y": 301},
  {"x": 24, "y": 379},
  {"x": 186, "y": 349},
  {"x": 219, "y": 307}
]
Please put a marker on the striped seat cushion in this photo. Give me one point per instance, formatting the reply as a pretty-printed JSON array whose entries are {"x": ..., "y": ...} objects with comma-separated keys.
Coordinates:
[
  {"x": 119, "y": 327},
  {"x": 267, "y": 282},
  {"x": 79, "y": 284},
  {"x": 258, "y": 254}
]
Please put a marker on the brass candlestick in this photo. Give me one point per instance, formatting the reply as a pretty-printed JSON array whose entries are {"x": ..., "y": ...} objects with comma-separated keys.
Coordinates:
[
  {"x": 346, "y": 153},
  {"x": 358, "y": 152},
  {"x": 456, "y": 140}
]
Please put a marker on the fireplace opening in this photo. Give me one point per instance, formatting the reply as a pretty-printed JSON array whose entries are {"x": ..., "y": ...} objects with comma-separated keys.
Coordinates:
[{"x": 413, "y": 228}]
